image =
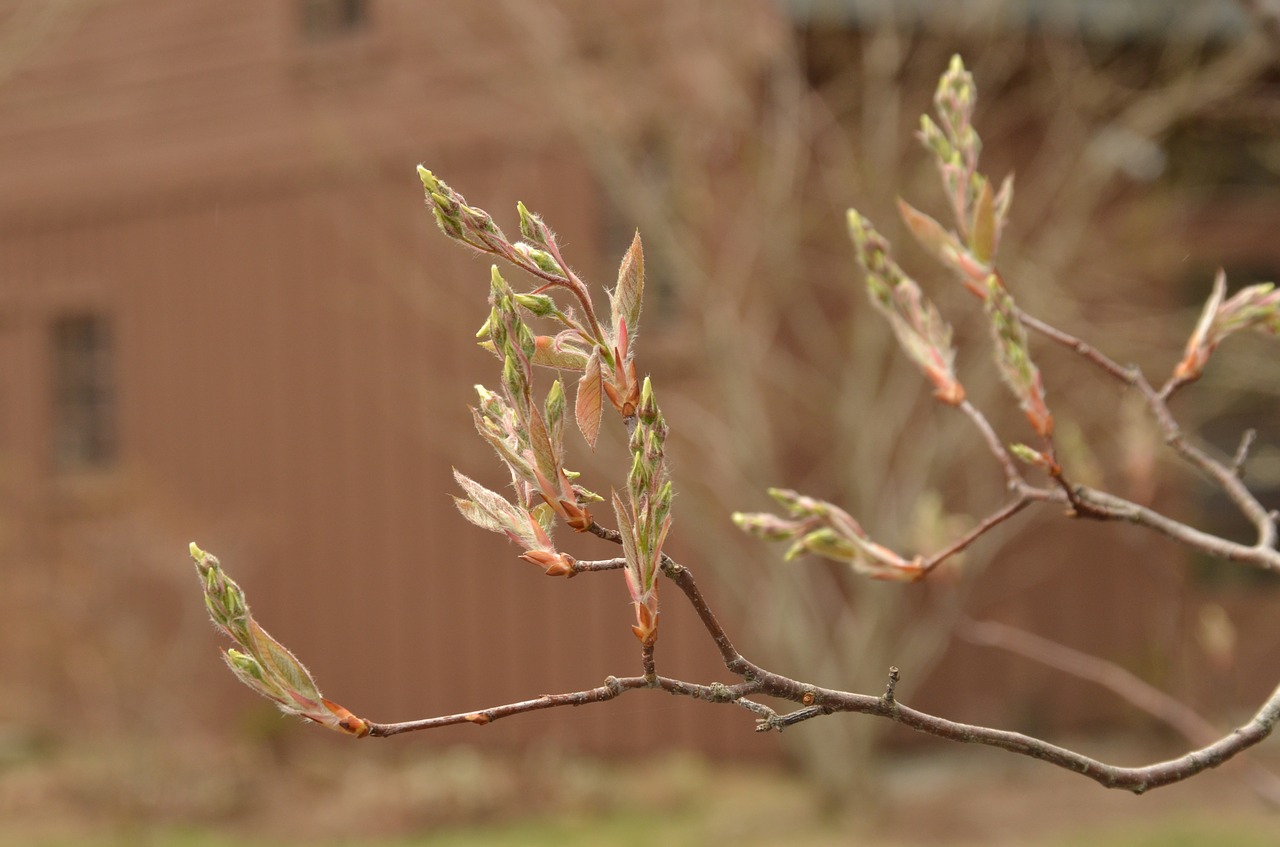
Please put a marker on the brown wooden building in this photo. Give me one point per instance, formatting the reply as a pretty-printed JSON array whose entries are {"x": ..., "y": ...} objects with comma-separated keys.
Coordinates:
[{"x": 226, "y": 317}]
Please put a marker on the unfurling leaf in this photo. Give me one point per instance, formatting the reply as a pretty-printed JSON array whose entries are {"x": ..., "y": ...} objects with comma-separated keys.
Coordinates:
[
  {"x": 983, "y": 239},
  {"x": 262, "y": 663},
  {"x": 1200, "y": 345},
  {"x": 558, "y": 352},
  {"x": 589, "y": 402},
  {"x": 824, "y": 529},
  {"x": 1254, "y": 307},
  {"x": 924, "y": 336},
  {"x": 626, "y": 299},
  {"x": 555, "y": 416}
]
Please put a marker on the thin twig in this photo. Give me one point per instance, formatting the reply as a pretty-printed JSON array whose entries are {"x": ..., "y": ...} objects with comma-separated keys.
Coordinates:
[
  {"x": 1111, "y": 507},
  {"x": 613, "y": 686},
  {"x": 648, "y": 662},
  {"x": 1011, "y": 475},
  {"x": 1225, "y": 477},
  {"x": 891, "y": 686},
  {"x": 1242, "y": 453},
  {"x": 988, "y": 523},
  {"x": 818, "y": 701},
  {"x": 601, "y": 565},
  {"x": 1119, "y": 681},
  {"x": 1066, "y": 339}
]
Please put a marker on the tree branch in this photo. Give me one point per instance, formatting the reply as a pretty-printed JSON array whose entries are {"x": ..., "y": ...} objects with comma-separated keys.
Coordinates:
[
  {"x": 988, "y": 523},
  {"x": 1227, "y": 477},
  {"x": 1119, "y": 681},
  {"x": 613, "y": 686},
  {"x": 1011, "y": 475}
]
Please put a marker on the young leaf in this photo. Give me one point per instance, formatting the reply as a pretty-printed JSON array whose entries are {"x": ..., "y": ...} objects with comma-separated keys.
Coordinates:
[
  {"x": 545, "y": 456},
  {"x": 589, "y": 402},
  {"x": 983, "y": 238},
  {"x": 626, "y": 298}
]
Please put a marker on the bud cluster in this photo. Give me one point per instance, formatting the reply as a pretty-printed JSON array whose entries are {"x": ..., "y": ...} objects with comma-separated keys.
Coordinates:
[
  {"x": 826, "y": 530},
  {"x": 529, "y": 439},
  {"x": 980, "y": 217},
  {"x": 263, "y": 663},
  {"x": 920, "y": 329},
  {"x": 1255, "y": 307},
  {"x": 980, "y": 214},
  {"x": 645, "y": 518},
  {"x": 1013, "y": 355}
]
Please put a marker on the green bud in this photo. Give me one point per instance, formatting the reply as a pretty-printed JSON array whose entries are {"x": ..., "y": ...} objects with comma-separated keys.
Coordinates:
[
  {"x": 648, "y": 410},
  {"x": 497, "y": 328},
  {"x": 585, "y": 495},
  {"x": 555, "y": 405},
  {"x": 429, "y": 181},
  {"x": 448, "y": 225},
  {"x": 531, "y": 226},
  {"x": 490, "y": 403},
  {"x": 233, "y": 601},
  {"x": 786, "y": 498},
  {"x": 512, "y": 378},
  {"x": 824, "y": 542},
  {"x": 528, "y": 342},
  {"x": 540, "y": 305},
  {"x": 662, "y": 503},
  {"x": 244, "y": 663},
  {"x": 446, "y": 204},
  {"x": 498, "y": 287},
  {"x": 479, "y": 220},
  {"x": 1027, "y": 454},
  {"x": 540, "y": 259},
  {"x": 638, "y": 478}
]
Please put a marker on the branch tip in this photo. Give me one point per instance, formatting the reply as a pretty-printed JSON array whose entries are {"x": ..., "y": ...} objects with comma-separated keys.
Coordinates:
[{"x": 891, "y": 686}]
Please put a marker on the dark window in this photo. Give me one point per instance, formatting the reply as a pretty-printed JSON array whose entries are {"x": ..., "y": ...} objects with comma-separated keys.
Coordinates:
[
  {"x": 84, "y": 414},
  {"x": 325, "y": 19}
]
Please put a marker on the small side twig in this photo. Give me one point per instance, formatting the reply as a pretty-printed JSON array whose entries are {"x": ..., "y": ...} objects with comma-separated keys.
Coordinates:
[
  {"x": 1011, "y": 475},
  {"x": 891, "y": 686},
  {"x": 1228, "y": 478},
  {"x": 986, "y": 525},
  {"x": 781, "y": 722},
  {"x": 1242, "y": 452},
  {"x": 648, "y": 662}
]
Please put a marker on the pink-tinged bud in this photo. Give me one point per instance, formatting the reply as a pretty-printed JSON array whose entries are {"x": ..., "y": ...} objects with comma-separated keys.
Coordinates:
[
  {"x": 532, "y": 228},
  {"x": 767, "y": 526},
  {"x": 615, "y": 397},
  {"x": 552, "y": 563},
  {"x": 950, "y": 392},
  {"x": 646, "y": 626},
  {"x": 576, "y": 517},
  {"x": 345, "y": 721}
]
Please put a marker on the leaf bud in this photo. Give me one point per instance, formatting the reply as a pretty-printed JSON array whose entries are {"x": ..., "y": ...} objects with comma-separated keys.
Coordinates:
[{"x": 540, "y": 305}]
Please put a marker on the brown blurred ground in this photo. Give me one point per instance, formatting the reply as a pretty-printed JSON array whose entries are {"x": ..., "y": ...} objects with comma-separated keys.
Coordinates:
[{"x": 542, "y": 796}]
